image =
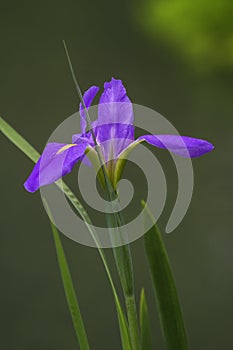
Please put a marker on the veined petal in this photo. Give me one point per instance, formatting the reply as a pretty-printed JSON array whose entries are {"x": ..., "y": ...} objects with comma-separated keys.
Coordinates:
[
  {"x": 88, "y": 97},
  {"x": 114, "y": 138},
  {"x": 76, "y": 138},
  {"x": 114, "y": 105},
  {"x": 115, "y": 130},
  {"x": 57, "y": 160},
  {"x": 183, "y": 146}
]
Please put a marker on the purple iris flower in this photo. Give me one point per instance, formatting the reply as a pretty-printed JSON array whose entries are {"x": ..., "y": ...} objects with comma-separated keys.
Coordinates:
[{"x": 114, "y": 132}]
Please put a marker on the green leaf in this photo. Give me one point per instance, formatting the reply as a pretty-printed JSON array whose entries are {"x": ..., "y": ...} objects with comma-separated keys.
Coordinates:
[
  {"x": 19, "y": 141},
  {"x": 27, "y": 149},
  {"x": 144, "y": 323},
  {"x": 69, "y": 289},
  {"x": 166, "y": 295}
]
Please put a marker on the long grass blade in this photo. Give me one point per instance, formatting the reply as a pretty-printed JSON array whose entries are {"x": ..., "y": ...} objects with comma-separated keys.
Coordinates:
[
  {"x": 69, "y": 289},
  {"x": 19, "y": 141},
  {"x": 166, "y": 295},
  {"x": 144, "y": 323},
  {"x": 30, "y": 151}
]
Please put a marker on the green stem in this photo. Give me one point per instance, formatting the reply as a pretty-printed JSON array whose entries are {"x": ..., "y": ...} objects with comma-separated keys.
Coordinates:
[
  {"x": 124, "y": 265},
  {"x": 123, "y": 260},
  {"x": 122, "y": 254},
  {"x": 133, "y": 321}
]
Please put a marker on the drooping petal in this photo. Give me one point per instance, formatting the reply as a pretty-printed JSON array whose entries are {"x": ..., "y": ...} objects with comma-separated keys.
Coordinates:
[
  {"x": 88, "y": 97},
  {"x": 57, "y": 160},
  {"x": 76, "y": 138},
  {"x": 183, "y": 146}
]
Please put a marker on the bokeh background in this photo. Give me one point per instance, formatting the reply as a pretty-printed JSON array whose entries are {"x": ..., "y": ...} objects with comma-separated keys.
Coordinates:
[{"x": 175, "y": 57}]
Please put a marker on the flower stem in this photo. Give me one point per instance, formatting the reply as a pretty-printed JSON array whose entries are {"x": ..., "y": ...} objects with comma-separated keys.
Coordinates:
[
  {"x": 124, "y": 265},
  {"x": 133, "y": 321},
  {"x": 123, "y": 260}
]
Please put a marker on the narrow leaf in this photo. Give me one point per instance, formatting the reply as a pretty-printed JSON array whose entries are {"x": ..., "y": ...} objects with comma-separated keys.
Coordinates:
[
  {"x": 18, "y": 140},
  {"x": 69, "y": 289},
  {"x": 27, "y": 149},
  {"x": 166, "y": 295},
  {"x": 144, "y": 323}
]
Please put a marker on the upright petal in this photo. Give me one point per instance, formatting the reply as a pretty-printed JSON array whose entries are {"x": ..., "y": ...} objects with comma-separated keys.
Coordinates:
[
  {"x": 57, "y": 160},
  {"x": 183, "y": 146},
  {"x": 114, "y": 138},
  {"x": 115, "y": 119},
  {"x": 88, "y": 97},
  {"x": 114, "y": 104}
]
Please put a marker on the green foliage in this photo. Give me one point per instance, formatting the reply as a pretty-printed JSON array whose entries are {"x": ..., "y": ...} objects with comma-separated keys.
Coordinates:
[
  {"x": 27, "y": 149},
  {"x": 200, "y": 30},
  {"x": 144, "y": 323},
  {"x": 69, "y": 290},
  {"x": 166, "y": 295}
]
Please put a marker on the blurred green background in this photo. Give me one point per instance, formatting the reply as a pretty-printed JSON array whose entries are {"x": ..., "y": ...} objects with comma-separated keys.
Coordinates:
[{"x": 192, "y": 88}]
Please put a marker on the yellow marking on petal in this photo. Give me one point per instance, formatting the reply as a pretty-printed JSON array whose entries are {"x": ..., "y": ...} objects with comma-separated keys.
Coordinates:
[{"x": 64, "y": 148}]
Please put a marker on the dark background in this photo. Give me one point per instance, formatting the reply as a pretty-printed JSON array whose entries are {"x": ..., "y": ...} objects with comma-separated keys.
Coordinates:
[{"x": 106, "y": 39}]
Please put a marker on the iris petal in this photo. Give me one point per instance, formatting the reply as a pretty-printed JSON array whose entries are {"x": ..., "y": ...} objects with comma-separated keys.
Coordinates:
[
  {"x": 114, "y": 138},
  {"x": 57, "y": 160},
  {"x": 183, "y": 146},
  {"x": 88, "y": 97},
  {"x": 114, "y": 105},
  {"x": 115, "y": 128},
  {"x": 114, "y": 131}
]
